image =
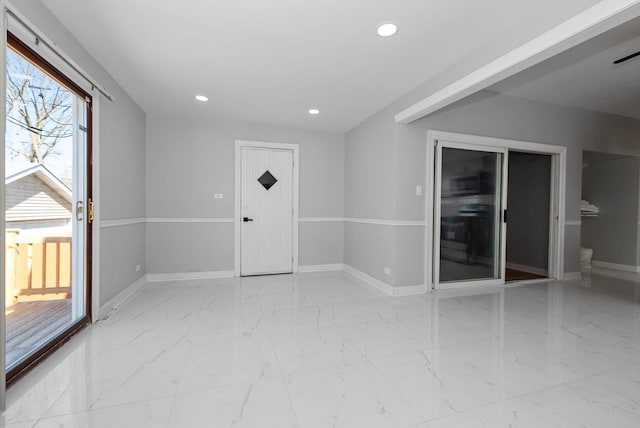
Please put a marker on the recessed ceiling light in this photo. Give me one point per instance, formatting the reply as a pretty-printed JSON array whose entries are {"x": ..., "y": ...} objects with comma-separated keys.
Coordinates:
[
  {"x": 387, "y": 30},
  {"x": 314, "y": 111},
  {"x": 201, "y": 98}
]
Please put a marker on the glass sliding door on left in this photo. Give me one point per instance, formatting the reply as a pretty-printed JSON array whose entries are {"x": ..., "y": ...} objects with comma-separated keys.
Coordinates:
[
  {"x": 47, "y": 207},
  {"x": 470, "y": 199}
]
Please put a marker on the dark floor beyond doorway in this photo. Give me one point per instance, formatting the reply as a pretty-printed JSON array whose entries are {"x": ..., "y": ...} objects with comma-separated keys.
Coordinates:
[{"x": 516, "y": 275}]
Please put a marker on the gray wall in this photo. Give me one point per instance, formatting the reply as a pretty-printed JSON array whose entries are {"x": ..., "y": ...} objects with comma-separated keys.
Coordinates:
[
  {"x": 612, "y": 185},
  {"x": 528, "y": 197},
  {"x": 187, "y": 162},
  {"x": 121, "y": 157},
  {"x": 397, "y": 147},
  {"x": 370, "y": 192}
]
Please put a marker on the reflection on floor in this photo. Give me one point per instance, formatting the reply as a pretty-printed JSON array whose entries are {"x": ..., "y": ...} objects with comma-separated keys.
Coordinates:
[
  {"x": 326, "y": 350},
  {"x": 516, "y": 275},
  {"x": 30, "y": 323}
]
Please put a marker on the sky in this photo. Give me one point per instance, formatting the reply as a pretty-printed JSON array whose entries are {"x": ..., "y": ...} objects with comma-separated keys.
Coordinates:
[{"x": 60, "y": 161}]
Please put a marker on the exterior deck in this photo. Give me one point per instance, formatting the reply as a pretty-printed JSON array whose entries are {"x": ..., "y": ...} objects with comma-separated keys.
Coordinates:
[{"x": 29, "y": 324}]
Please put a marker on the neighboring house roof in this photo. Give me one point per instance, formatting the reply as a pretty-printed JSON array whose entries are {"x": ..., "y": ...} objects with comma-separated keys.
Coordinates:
[{"x": 35, "y": 194}]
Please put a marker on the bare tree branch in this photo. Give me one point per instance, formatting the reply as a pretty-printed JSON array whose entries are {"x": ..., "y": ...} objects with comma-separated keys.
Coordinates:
[{"x": 38, "y": 104}]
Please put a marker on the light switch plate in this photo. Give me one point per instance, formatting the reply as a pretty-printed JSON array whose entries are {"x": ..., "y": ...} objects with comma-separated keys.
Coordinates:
[
  {"x": 218, "y": 196},
  {"x": 418, "y": 190}
]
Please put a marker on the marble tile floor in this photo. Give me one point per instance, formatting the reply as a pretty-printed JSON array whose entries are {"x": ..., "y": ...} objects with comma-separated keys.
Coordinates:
[{"x": 326, "y": 350}]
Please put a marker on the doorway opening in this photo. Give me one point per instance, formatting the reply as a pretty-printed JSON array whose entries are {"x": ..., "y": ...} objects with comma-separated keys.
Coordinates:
[
  {"x": 609, "y": 214},
  {"x": 529, "y": 216},
  {"x": 468, "y": 212},
  {"x": 48, "y": 208}
]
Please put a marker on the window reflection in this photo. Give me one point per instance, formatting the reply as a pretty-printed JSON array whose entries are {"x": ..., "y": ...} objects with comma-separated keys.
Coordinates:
[{"x": 470, "y": 211}]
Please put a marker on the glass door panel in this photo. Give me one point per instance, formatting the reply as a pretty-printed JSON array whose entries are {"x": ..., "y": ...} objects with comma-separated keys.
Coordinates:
[
  {"x": 469, "y": 209},
  {"x": 45, "y": 210}
]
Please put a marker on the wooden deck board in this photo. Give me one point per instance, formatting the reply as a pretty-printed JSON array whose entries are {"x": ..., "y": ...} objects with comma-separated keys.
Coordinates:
[{"x": 31, "y": 323}]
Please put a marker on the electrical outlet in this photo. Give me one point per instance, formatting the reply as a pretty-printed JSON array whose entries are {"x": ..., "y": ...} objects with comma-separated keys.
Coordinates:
[
  {"x": 137, "y": 268},
  {"x": 218, "y": 196},
  {"x": 387, "y": 271},
  {"x": 418, "y": 190}
]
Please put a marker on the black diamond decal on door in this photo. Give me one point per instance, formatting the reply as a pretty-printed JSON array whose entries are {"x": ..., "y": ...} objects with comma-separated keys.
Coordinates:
[{"x": 267, "y": 180}]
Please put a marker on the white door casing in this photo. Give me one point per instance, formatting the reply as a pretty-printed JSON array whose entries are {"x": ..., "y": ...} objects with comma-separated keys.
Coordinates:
[
  {"x": 266, "y": 220},
  {"x": 558, "y": 192}
]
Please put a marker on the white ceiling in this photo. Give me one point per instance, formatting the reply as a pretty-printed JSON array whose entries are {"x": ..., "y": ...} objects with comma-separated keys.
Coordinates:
[
  {"x": 586, "y": 77},
  {"x": 270, "y": 61}
]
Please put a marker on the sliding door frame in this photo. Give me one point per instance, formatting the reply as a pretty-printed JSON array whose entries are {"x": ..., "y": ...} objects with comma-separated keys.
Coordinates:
[
  {"x": 501, "y": 225},
  {"x": 557, "y": 196},
  {"x": 3, "y": 120},
  {"x": 23, "y": 49}
]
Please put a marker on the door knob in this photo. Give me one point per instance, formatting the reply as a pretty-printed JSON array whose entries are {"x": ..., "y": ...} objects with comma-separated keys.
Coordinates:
[{"x": 246, "y": 219}]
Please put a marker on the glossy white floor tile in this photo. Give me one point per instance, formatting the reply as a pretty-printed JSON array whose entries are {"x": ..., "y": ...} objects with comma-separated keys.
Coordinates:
[{"x": 326, "y": 350}]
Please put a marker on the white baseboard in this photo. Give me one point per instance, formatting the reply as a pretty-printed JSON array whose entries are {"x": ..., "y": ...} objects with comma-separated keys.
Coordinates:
[
  {"x": 111, "y": 307},
  {"x": 528, "y": 269},
  {"x": 615, "y": 266},
  {"x": 612, "y": 273},
  {"x": 570, "y": 276},
  {"x": 185, "y": 276},
  {"x": 408, "y": 290},
  {"x": 321, "y": 268}
]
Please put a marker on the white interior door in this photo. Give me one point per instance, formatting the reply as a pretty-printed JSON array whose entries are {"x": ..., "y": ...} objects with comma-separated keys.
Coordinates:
[
  {"x": 469, "y": 224},
  {"x": 266, "y": 224}
]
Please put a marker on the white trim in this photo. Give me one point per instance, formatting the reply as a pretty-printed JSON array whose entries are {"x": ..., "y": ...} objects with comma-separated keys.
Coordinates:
[
  {"x": 105, "y": 224},
  {"x": 573, "y": 223},
  {"x": 128, "y": 221},
  {"x": 3, "y": 119},
  {"x": 599, "y": 18},
  {"x": 523, "y": 146},
  {"x": 612, "y": 273},
  {"x": 112, "y": 306},
  {"x": 527, "y": 269},
  {"x": 96, "y": 195},
  {"x": 319, "y": 219},
  {"x": 295, "y": 148},
  {"x": 571, "y": 276},
  {"x": 408, "y": 290},
  {"x": 557, "y": 202},
  {"x": 559, "y": 162},
  {"x": 186, "y": 276},
  {"x": 382, "y": 222},
  {"x": 188, "y": 220},
  {"x": 615, "y": 266},
  {"x": 321, "y": 268}
]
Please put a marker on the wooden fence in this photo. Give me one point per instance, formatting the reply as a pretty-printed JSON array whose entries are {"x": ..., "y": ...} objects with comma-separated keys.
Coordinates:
[{"x": 39, "y": 269}]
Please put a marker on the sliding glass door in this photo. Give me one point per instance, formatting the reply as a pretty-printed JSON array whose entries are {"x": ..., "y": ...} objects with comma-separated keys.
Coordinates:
[
  {"x": 470, "y": 205},
  {"x": 47, "y": 207}
]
